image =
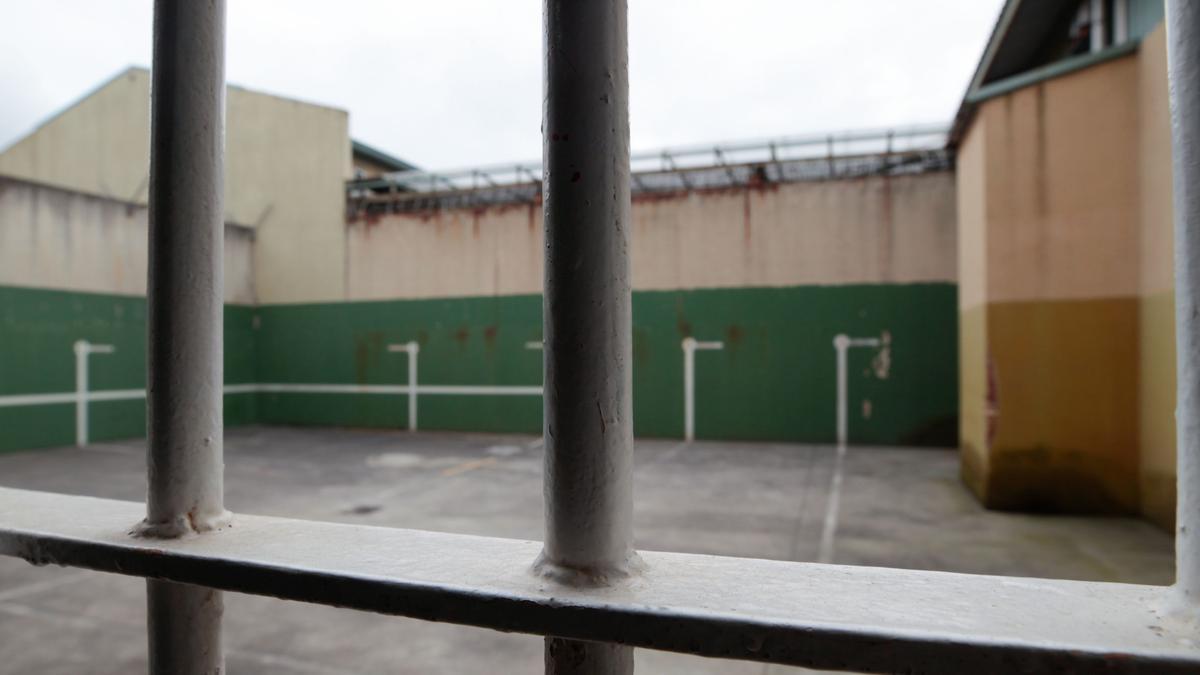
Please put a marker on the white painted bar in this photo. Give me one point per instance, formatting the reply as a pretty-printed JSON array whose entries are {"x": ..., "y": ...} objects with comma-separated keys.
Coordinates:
[
  {"x": 413, "y": 350},
  {"x": 16, "y": 400},
  {"x": 805, "y": 614},
  {"x": 184, "y": 321},
  {"x": 587, "y": 313},
  {"x": 1120, "y": 21},
  {"x": 285, "y": 387},
  {"x": 117, "y": 395},
  {"x": 1096, "y": 30},
  {"x": 842, "y": 343},
  {"x": 480, "y": 390},
  {"x": 690, "y": 346},
  {"x": 1183, "y": 65},
  {"x": 83, "y": 349}
]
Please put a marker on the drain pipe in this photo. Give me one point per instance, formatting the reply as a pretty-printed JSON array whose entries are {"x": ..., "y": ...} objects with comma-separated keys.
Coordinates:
[{"x": 1183, "y": 66}]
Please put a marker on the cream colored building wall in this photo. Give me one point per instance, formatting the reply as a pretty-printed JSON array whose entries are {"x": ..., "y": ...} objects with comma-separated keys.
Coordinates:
[
  {"x": 100, "y": 145},
  {"x": 1073, "y": 200},
  {"x": 1157, "y": 308},
  {"x": 286, "y": 162},
  {"x": 972, "y": 305},
  {"x": 287, "y": 165},
  {"x": 873, "y": 230},
  {"x": 1062, "y": 203},
  {"x": 65, "y": 240}
]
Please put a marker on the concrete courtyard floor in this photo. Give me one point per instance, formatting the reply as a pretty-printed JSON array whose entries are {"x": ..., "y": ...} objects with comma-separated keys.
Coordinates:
[{"x": 898, "y": 507}]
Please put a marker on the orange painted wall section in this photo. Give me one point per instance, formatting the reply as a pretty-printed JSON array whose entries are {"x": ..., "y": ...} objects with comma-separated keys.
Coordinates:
[{"x": 1060, "y": 201}]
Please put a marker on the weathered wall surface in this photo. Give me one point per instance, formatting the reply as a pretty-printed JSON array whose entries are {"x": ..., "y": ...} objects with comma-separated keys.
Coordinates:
[
  {"x": 973, "y": 368},
  {"x": 65, "y": 240},
  {"x": 773, "y": 273},
  {"x": 1053, "y": 191},
  {"x": 285, "y": 164},
  {"x": 873, "y": 230},
  {"x": 73, "y": 267},
  {"x": 773, "y": 381},
  {"x": 1156, "y": 393}
]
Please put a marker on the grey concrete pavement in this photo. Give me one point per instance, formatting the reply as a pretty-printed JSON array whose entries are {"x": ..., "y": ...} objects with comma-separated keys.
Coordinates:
[{"x": 899, "y": 507}]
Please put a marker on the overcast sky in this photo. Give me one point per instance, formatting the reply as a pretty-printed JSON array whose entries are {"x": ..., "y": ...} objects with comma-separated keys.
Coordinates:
[{"x": 454, "y": 83}]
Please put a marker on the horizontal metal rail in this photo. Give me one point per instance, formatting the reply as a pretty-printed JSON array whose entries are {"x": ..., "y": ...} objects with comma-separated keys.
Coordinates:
[
  {"x": 788, "y": 148},
  {"x": 17, "y": 400},
  {"x": 805, "y": 614},
  {"x": 377, "y": 196}
]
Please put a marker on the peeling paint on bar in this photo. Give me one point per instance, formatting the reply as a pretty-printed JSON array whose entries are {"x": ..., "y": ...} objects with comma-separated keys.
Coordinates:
[
  {"x": 1183, "y": 55},
  {"x": 587, "y": 315},
  {"x": 185, "y": 323}
]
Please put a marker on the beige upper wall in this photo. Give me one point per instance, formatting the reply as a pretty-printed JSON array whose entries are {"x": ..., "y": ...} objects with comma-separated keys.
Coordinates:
[
  {"x": 1062, "y": 187},
  {"x": 971, "y": 202},
  {"x": 1157, "y": 308},
  {"x": 1154, "y": 164},
  {"x": 285, "y": 165},
  {"x": 65, "y": 240},
  {"x": 899, "y": 229}
]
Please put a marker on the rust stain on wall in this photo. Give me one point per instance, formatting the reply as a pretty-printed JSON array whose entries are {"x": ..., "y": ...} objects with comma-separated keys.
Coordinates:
[{"x": 462, "y": 335}]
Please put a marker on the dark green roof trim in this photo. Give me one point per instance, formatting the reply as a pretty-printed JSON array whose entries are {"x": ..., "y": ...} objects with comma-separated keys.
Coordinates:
[
  {"x": 380, "y": 157},
  {"x": 1050, "y": 71}
]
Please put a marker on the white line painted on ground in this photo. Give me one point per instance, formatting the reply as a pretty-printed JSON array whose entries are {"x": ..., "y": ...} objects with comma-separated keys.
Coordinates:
[{"x": 832, "y": 506}]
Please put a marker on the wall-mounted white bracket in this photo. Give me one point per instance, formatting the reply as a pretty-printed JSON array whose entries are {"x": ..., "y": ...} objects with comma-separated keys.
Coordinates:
[
  {"x": 690, "y": 347},
  {"x": 411, "y": 348},
  {"x": 83, "y": 349}
]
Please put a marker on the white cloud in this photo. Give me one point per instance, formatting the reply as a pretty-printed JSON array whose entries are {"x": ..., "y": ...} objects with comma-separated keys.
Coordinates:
[{"x": 458, "y": 82}]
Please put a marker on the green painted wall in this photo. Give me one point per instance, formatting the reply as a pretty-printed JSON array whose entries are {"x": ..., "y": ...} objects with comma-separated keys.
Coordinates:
[
  {"x": 774, "y": 380},
  {"x": 37, "y": 330}
]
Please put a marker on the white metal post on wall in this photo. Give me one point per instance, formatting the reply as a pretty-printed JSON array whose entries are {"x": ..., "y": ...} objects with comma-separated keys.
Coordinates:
[
  {"x": 587, "y": 313},
  {"x": 1183, "y": 60},
  {"x": 83, "y": 349},
  {"x": 842, "y": 344},
  {"x": 413, "y": 349},
  {"x": 690, "y": 347},
  {"x": 184, "y": 318}
]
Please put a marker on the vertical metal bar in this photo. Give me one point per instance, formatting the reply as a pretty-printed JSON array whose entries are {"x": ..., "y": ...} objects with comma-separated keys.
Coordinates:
[
  {"x": 689, "y": 388},
  {"x": 83, "y": 352},
  {"x": 1183, "y": 65},
  {"x": 411, "y": 349},
  {"x": 184, "y": 628},
  {"x": 1120, "y": 21},
  {"x": 587, "y": 312},
  {"x": 1096, "y": 27},
  {"x": 183, "y": 393},
  {"x": 829, "y": 156},
  {"x": 841, "y": 344},
  {"x": 81, "y": 388},
  {"x": 414, "y": 349}
]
